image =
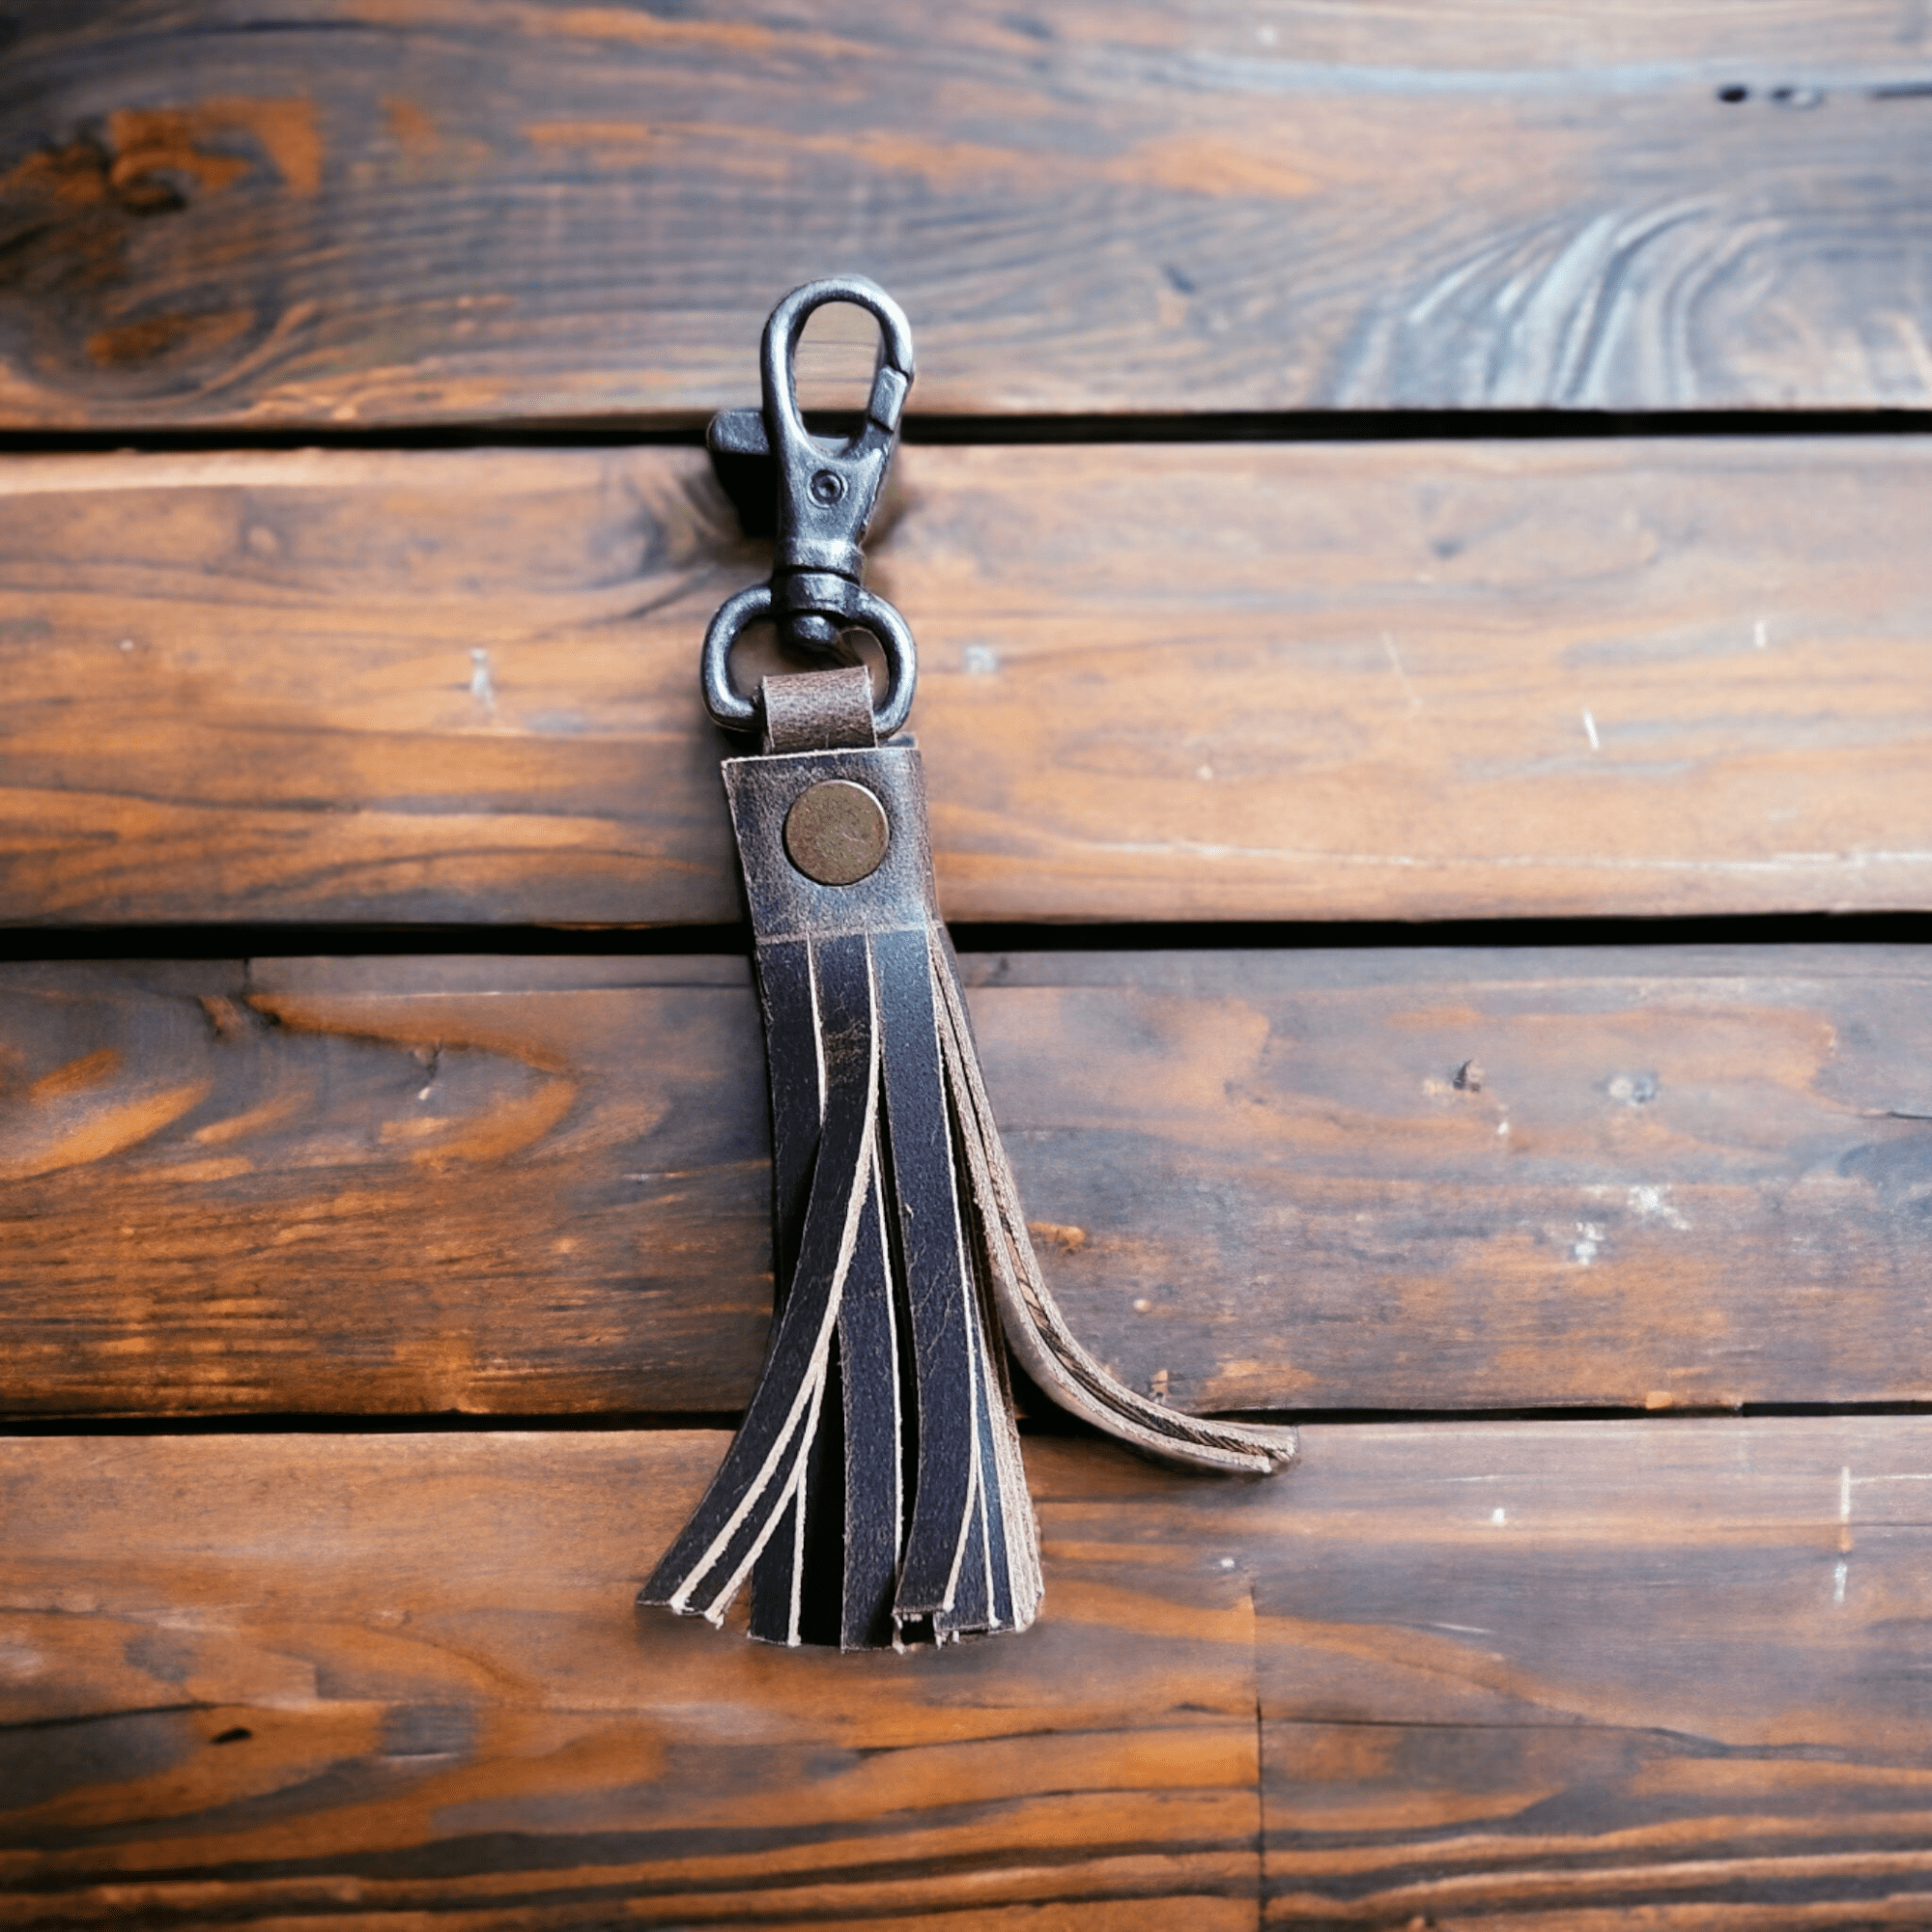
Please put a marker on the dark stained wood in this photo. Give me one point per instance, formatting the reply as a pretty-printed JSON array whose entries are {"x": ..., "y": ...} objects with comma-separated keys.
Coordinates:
[
  {"x": 548, "y": 1191},
  {"x": 402, "y": 210},
  {"x": 1241, "y": 681},
  {"x": 1550, "y": 1676},
  {"x": 454, "y": 1708},
  {"x": 1512, "y": 1673},
  {"x": 1313, "y": 1181},
  {"x": 403, "y": 700},
  {"x": 1479, "y": 1675}
]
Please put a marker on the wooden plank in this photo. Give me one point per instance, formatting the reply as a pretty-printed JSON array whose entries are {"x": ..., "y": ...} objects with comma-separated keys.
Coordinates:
[
  {"x": 546, "y": 1192},
  {"x": 451, "y": 1707},
  {"x": 1430, "y": 1180},
  {"x": 1483, "y": 1674},
  {"x": 1238, "y": 681},
  {"x": 407, "y": 211},
  {"x": 1578, "y": 1675}
]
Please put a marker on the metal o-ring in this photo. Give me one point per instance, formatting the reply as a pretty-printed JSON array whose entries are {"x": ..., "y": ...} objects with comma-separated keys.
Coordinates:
[
  {"x": 726, "y": 708},
  {"x": 864, "y": 613}
]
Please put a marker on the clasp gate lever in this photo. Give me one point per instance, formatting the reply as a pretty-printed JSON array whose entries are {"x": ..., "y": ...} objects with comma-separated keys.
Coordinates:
[{"x": 823, "y": 498}]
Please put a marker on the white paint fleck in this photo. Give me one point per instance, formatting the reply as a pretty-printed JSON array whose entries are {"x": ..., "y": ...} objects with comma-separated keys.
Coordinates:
[
  {"x": 423, "y": 1093},
  {"x": 482, "y": 687},
  {"x": 1266, "y": 35},
  {"x": 1463, "y": 1630},
  {"x": 1910, "y": 335},
  {"x": 1499, "y": 1515},
  {"x": 1142, "y": 1304},
  {"x": 1502, "y": 1127},
  {"x": 1652, "y": 1204},
  {"x": 980, "y": 659},
  {"x": 1204, "y": 771},
  {"x": 208, "y": 1617},
  {"x": 1589, "y": 1240},
  {"x": 1401, "y": 675},
  {"x": 1844, "y": 1569},
  {"x": 126, "y": 644},
  {"x": 1758, "y": 636},
  {"x": 20, "y": 1660},
  {"x": 1590, "y": 732},
  {"x": 1227, "y": 1563}
]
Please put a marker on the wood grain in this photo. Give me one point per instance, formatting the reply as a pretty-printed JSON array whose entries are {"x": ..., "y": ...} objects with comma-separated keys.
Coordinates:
[
  {"x": 405, "y": 210},
  {"x": 1578, "y": 1675},
  {"x": 1484, "y": 1674},
  {"x": 1160, "y": 682},
  {"x": 1315, "y": 1180},
  {"x": 544, "y": 1184}
]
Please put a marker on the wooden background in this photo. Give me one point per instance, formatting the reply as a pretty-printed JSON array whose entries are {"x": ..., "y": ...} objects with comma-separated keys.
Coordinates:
[
  {"x": 380, "y": 211},
  {"x": 1370, "y": 467}
]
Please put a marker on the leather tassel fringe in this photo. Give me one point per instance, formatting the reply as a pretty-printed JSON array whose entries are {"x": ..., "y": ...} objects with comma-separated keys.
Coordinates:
[
  {"x": 875, "y": 1492},
  {"x": 875, "y": 1489},
  {"x": 1036, "y": 1330}
]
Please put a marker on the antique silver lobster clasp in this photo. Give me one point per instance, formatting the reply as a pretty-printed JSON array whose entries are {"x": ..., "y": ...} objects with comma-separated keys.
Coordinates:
[{"x": 824, "y": 496}]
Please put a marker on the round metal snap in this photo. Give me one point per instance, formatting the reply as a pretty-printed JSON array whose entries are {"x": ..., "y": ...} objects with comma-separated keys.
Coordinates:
[
  {"x": 837, "y": 832},
  {"x": 828, "y": 485}
]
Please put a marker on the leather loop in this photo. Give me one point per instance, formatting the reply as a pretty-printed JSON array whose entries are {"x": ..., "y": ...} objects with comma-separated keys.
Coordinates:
[{"x": 820, "y": 711}]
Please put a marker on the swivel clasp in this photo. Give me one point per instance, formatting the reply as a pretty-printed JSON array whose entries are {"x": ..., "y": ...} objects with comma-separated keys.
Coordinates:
[{"x": 825, "y": 494}]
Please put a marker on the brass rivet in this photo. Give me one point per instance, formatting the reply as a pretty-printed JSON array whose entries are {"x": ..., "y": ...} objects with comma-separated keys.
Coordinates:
[{"x": 837, "y": 832}]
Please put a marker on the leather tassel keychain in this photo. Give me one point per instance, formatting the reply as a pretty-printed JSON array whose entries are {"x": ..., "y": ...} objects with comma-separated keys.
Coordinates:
[{"x": 874, "y": 1494}]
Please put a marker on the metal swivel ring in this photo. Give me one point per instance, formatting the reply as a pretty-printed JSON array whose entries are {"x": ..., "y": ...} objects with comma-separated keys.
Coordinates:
[{"x": 863, "y": 611}]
